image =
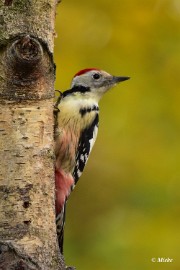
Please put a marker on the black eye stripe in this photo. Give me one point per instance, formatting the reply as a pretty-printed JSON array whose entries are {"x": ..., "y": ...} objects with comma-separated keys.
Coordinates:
[{"x": 96, "y": 76}]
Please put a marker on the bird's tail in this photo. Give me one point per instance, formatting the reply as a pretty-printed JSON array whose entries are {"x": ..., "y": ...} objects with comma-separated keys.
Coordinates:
[{"x": 60, "y": 223}]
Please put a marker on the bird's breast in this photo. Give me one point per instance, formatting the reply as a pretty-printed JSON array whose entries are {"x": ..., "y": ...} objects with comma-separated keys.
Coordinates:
[{"x": 72, "y": 121}]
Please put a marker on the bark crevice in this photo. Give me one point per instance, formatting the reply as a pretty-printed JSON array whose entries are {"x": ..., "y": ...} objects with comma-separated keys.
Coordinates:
[{"x": 13, "y": 259}]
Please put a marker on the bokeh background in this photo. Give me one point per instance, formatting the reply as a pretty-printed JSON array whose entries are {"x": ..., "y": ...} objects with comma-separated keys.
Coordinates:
[{"x": 125, "y": 209}]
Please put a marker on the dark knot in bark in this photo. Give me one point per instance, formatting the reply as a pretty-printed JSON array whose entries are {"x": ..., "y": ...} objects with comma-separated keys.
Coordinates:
[
  {"x": 28, "y": 70},
  {"x": 23, "y": 58}
]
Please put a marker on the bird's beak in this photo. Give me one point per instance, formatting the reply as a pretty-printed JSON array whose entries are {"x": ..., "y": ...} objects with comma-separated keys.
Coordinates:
[
  {"x": 111, "y": 81},
  {"x": 118, "y": 79}
]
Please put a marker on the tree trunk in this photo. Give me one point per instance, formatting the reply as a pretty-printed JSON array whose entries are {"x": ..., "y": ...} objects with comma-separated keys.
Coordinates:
[{"x": 27, "y": 215}]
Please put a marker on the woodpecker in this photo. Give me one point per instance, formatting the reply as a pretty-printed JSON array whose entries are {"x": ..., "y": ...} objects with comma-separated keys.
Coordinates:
[{"x": 76, "y": 127}]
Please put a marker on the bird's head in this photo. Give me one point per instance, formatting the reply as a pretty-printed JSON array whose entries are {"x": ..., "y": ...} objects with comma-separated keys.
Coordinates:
[{"x": 95, "y": 82}]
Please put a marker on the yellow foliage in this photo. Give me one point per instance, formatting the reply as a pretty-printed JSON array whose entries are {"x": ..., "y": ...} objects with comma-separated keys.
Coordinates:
[{"x": 125, "y": 209}]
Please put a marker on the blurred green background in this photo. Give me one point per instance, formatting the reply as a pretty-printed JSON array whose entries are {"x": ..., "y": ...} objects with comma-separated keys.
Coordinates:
[{"x": 125, "y": 208}]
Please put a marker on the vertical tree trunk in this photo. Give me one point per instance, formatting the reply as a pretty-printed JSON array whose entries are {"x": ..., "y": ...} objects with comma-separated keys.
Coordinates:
[{"x": 27, "y": 218}]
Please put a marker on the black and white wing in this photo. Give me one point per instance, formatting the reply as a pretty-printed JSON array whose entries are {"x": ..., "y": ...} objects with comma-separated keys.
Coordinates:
[{"x": 86, "y": 142}]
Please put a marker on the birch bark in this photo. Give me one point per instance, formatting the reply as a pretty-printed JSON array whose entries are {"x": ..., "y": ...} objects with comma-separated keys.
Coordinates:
[{"x": 27, "y": 216}]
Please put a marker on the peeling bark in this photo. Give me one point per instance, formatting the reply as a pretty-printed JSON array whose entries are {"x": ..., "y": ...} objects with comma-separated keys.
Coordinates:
[{"x": 27, "y": 216}]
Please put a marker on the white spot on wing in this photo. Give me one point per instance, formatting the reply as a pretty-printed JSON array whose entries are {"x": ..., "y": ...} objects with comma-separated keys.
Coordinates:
[
  {"x": 79, "y": 173},
  {"x": 92, "y": 141}
]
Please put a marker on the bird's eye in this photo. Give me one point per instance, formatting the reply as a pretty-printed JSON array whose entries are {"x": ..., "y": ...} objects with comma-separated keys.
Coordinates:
[{"x": 96, "y": 76}]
